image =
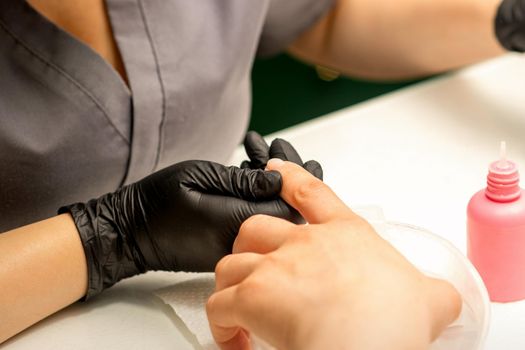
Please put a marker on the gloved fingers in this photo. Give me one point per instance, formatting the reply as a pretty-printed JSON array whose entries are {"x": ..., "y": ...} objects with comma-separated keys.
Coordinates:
[
  {"x": 509, "y": 25},
  {"x": 246, "y": 184},
  {"x": 237, "y": 211},
  {"x": 257, "y": 150},
  {"x": 277, "y": 208},
  {"x": 246, "y": 164},
  {"x": 314, "y": 168},
  {"x": 227, "y": 214},
  {"x": 282, "y": 149},
  {"x": 240, "y": 210}
]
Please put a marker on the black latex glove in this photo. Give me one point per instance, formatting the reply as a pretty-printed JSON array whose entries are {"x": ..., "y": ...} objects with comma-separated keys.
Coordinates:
[
  {"x": 510, "y": 25},
  {"x": 259, "y": 153},
  {"x": 182, "y": 218}
]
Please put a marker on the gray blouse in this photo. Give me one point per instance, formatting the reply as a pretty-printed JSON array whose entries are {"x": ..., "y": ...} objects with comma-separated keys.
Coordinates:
[{"x": 70, "y": 128}]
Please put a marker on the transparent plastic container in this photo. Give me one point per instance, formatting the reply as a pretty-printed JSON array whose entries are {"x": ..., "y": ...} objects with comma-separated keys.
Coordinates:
[{"x": 438, "y": 258}]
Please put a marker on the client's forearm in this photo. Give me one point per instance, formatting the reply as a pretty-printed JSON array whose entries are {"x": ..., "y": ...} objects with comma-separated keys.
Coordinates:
[{"x": 42, "y": 270}]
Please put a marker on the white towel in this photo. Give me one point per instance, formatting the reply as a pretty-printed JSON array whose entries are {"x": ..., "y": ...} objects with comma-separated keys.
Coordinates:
[{"x": 187, "y": 297}]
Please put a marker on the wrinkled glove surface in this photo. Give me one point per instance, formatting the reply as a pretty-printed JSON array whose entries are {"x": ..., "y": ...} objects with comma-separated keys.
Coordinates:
[
  {"x": 182, "y": 218},
  {"x": 510, "y": 25},
  {"x": 259, "y": 153}
]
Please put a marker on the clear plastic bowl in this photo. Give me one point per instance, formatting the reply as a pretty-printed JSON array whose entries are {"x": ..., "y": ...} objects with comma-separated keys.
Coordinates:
[{"x": 438, "y": 258}]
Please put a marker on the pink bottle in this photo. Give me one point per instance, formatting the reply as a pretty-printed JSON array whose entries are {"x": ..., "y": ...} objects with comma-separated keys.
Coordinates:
[{"x": 496, "y": 232}]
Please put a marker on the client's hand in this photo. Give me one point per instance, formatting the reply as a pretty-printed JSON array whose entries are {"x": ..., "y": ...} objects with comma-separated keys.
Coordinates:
[
  {"x": 332, "y": 284},
  {"x": 184, "y": 217}
]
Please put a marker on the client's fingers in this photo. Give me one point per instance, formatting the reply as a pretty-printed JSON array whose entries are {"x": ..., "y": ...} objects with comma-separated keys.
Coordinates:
[
  {"x": 316, "y": 202},
  {"x": 236, "y": 338},
  {"x": 445, "y": 303},
  {"x": 233, "y": 269},
  {"x": 221, "y": 309},
  {"x": 262, "y": 234}
]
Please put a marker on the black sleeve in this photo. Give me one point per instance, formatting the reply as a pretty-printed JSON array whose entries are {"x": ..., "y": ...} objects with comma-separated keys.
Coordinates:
[{"x": 288, "y": 19}]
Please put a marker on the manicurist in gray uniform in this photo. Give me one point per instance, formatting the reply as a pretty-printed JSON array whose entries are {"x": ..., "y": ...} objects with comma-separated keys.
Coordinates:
[{"x": 105, "y": 105}]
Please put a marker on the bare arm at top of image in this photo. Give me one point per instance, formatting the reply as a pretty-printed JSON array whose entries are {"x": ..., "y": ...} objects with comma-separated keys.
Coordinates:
[
  {"x": 333, "y": 284},
  {"x": 390, "y": 40}
]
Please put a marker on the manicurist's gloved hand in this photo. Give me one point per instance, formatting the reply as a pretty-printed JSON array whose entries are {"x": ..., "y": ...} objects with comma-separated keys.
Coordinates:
[
  {"x": 510, "y": 25},
  {"x": 182, "y": 218},
  {"x": 259, "y": 153}
]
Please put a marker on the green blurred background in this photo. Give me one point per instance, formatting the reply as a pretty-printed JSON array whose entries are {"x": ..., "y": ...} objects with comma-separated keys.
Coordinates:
[{"x": 287, "y": 92}]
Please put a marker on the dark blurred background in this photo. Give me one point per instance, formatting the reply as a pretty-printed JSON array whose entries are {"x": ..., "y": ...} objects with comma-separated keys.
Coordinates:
[{"x": 287, "y": 92}]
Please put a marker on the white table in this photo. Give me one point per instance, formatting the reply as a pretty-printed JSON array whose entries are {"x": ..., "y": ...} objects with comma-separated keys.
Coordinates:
[{"x": 419, "y": 153}]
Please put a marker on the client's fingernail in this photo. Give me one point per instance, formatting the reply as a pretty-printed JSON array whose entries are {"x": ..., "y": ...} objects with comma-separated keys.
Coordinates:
[{"x": 274, "y": 163}]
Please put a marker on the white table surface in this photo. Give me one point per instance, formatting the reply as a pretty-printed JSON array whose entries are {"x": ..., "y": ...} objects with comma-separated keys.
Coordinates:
[{"x": 419, "y": 153}]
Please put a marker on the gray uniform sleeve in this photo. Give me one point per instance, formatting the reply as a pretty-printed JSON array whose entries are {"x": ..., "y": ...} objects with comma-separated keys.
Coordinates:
[{"x": 286, "y": 20}]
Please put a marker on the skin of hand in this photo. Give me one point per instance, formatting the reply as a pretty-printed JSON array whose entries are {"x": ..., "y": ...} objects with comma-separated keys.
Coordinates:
[
  {"x": 404, "y": 39},
  {"x": 42, "y": 270},
  {"x": 332, "y": 284}
]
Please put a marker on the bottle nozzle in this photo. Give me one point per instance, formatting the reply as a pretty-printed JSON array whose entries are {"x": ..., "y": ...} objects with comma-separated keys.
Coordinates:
[
  {"x": 503, "y": 178},
  {"x": 503, "y": 163}
]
